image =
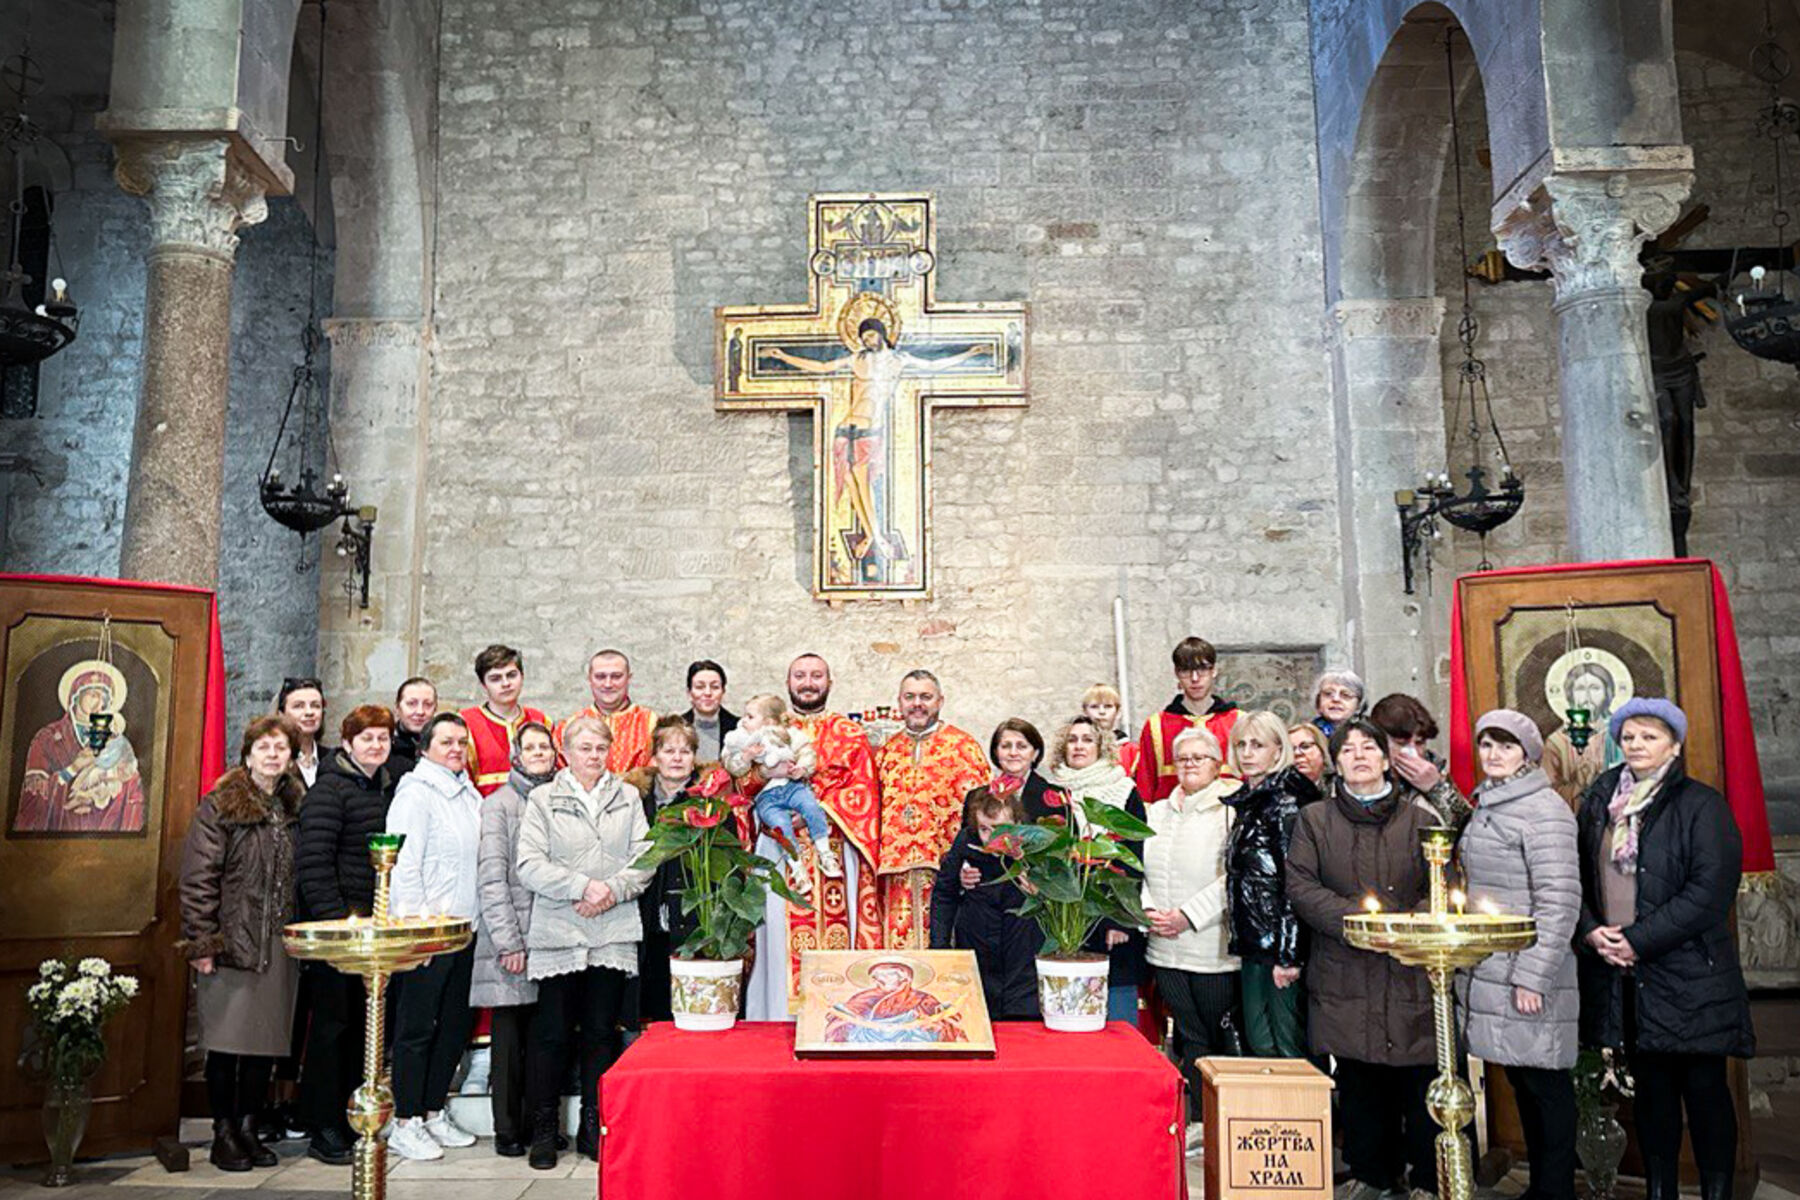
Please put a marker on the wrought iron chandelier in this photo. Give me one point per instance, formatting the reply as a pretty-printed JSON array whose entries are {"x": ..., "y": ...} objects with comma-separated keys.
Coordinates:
[
  {"x": 29, "y": 333},
  {"x": 1481, "y": 509},
  {"x": 1767, "y": 320},
  {"x": 303, "y": 505}
]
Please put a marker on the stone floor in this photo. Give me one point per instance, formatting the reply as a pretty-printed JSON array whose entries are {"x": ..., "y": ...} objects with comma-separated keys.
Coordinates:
[{"x": 478, "y": 1174}]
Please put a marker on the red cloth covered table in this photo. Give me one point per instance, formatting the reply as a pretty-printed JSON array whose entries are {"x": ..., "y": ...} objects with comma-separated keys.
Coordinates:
[{"x": 735, "y": 1114}]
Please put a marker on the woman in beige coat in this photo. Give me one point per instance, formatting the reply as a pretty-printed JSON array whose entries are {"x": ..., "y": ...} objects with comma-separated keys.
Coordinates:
[{"x": 580, "y": 834}]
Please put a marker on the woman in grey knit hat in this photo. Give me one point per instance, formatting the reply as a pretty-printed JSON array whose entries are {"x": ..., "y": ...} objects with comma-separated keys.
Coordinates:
[{"x": 1518, "y": 856}]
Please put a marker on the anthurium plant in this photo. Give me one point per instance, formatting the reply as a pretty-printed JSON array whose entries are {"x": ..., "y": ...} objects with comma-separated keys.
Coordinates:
[
  {"x": 724, "y": 885},
  {"x": 1075, "y": 875}
]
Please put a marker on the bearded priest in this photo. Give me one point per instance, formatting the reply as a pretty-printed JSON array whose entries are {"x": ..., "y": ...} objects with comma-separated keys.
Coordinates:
[
  {"x": 846, "y": 911},
  {"x": 926, "y": 771}
]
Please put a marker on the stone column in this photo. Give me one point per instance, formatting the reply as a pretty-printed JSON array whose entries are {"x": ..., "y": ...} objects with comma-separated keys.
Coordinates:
[
  {"x": 378, "y": 373},
  {"x": 1388, "y": 390},
  {"x": 199, "y": 197},
  {"x": 1587, "y": 228}
]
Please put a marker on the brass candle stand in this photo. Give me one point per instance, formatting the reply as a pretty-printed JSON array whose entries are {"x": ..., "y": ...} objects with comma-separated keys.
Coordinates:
[
  {"x": 375, "y": 947},
  {"x": 1440, "y": 940}
]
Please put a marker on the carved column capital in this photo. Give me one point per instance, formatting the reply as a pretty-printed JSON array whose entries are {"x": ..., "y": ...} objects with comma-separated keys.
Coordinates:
[
  {"x": 1587, "y": 229},
  {"x": 199, "y": 194}
]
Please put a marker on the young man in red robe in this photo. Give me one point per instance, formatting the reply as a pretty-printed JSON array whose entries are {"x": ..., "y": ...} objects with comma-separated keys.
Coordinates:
[
  {"x": 846, "y": 910},
  {"x": 1196, "y": 670},
  {"x": 494, "y": 723}
]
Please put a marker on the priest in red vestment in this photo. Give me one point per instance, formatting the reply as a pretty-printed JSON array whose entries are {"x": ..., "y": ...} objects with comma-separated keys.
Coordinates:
[
  {"x": 1196, "y": 670},
  {"x": 926, "y": 770},
  {"x": 845, "y": 912},
  {"x": 609, "y": 680}
]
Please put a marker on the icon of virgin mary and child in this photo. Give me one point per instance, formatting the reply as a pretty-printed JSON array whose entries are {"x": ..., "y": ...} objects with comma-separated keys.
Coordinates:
[
  {"x": 81, "y": 774},
  {"x": 893, "y": 1008}
]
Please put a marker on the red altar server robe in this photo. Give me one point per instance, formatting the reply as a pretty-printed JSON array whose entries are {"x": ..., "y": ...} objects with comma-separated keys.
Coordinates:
[{"x": 1155, "y": 773}]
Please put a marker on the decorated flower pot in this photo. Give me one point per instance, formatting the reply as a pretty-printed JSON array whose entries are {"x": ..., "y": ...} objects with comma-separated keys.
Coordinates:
[
  {"x": 704, "y": 994},
  {"x": 1072, "y": 993}
]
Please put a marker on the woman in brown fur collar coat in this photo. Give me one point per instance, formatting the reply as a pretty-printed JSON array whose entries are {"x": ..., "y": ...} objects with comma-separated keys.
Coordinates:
[{"x": 237, "y": 891}]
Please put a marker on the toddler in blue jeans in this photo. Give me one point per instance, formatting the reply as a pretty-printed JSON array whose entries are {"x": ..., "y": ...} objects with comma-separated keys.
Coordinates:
[{"x": 784, "y": 758}]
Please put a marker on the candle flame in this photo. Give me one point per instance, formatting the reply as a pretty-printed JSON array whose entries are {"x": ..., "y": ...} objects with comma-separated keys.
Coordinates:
[
  {"x": 1458, "y": 899},
  {"x": 1487, "y": 906},
  {"x": 1371, "y": 904}
]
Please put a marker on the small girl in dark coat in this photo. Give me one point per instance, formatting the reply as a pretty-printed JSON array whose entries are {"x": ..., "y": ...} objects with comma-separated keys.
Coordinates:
[{"x": 981, "y": 918}]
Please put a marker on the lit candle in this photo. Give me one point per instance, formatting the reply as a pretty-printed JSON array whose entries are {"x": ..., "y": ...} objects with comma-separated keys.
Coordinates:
[
  {"x": 1487, "y": 906},
  {"x": 1371, "y": 904},
  {"x": 1457, "y": 898}
]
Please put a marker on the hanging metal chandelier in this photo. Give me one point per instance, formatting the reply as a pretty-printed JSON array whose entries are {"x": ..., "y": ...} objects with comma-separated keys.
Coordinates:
[
  {"x": 29, "y": 333},
  {"x": 1767, "y": 317},
  {"x": 1482, "y": 509},
  {"x": 303, "y": 505}
]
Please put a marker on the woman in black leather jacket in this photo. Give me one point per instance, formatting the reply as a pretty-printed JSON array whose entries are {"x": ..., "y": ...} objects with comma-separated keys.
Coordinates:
[{"x": 1265, "y": 933}]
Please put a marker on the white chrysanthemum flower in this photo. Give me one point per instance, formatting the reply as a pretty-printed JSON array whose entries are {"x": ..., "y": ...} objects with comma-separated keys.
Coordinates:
[
  {"x": 50, "y": 968},
  {"x": 128, "y": 986},
  {"x": 95, "y": 967},
  {"x": 39, "y": 992}
]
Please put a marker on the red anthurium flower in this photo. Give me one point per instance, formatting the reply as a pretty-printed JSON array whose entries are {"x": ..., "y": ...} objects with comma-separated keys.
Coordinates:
[
  {"x": 1054, "y": 819},
  {"x": 1055, "y": 799},
  {"x": 711, "y": 784},
  {"x": 1007, "y": 844},
  {"x": 701, "y": 818}
]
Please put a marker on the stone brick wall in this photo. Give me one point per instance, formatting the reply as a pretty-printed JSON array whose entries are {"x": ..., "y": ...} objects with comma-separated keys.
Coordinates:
[
  {"x": 1143, "y": 174},
  {"x": 1747, "y": 475}
]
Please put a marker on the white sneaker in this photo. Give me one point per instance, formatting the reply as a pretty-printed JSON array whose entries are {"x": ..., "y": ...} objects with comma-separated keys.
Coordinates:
[
  {"x": 829, "y": 862},
  {"x": 409, "y": 1140},
  {"x": 475, "y": 1077},
  {"x": 447, "y": 1133},
  {"x": 798, "y": 879}
]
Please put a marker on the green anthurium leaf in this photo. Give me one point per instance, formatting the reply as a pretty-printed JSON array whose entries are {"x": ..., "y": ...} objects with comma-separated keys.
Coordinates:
[{"x": 1114, "y": 820}]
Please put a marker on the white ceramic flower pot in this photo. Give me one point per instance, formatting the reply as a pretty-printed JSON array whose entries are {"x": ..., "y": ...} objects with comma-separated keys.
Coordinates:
[
  {"x": 1072, "y": 993},
  {"x": 705, "y": 994}
]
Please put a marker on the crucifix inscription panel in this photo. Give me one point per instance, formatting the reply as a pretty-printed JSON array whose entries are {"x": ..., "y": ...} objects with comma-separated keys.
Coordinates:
[{"x": 870, "y": 355}]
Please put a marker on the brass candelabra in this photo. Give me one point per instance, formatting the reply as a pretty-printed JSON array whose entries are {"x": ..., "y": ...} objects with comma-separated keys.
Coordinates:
[
  {"x": 1440, "y": 940},
  {"x": 375, "y": 947}
]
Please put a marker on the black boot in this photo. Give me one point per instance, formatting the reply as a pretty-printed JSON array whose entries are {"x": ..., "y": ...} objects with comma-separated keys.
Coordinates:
[
  {"x": 1715, "y": 1185},
  {"x": 587, "y": 1134},
  {"x": 543, "y": 1140},
  {"x": 228, "y": 1151},
  {"x": 260, "y": 1155},
  {"x": 1662, "y": 1178}
]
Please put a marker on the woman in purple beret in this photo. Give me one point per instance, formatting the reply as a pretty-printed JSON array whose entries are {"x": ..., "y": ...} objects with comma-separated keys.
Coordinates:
[{"x": 1660, "y": 862}]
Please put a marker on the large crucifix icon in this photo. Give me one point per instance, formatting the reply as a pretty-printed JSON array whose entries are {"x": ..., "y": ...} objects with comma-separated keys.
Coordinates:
[{"x": 870, "y": 356}]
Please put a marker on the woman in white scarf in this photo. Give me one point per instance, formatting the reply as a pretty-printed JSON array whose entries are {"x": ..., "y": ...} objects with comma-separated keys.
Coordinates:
[{"x": 1085, "y": 764}]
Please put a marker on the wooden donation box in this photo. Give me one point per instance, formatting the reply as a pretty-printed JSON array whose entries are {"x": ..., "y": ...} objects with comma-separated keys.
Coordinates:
[{"x": 1268, "y": 1129}]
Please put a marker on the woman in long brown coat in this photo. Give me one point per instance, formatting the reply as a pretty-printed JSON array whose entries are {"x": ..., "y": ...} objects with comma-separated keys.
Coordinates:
[
  {"x": 237, "y": 891},
  {"x": 1367, "y": 1010}
]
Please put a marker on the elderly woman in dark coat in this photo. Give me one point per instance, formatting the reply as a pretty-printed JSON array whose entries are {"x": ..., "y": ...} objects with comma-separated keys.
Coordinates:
[
  {"x": 1366, "y": 1009},
  {"x": 237, "y": 887},
  {"x": 1518, "y": 855},
  {"x": 1660, "y": 861}
]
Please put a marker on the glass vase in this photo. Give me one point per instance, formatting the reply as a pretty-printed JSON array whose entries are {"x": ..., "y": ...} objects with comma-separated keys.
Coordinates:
[
  {"x": 1600, "y": 1145},
  {"x": 66, "y": 1107}
]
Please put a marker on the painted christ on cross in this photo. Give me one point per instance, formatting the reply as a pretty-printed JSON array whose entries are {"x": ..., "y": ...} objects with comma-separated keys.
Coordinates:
[{"x": 871, "y": 356}]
